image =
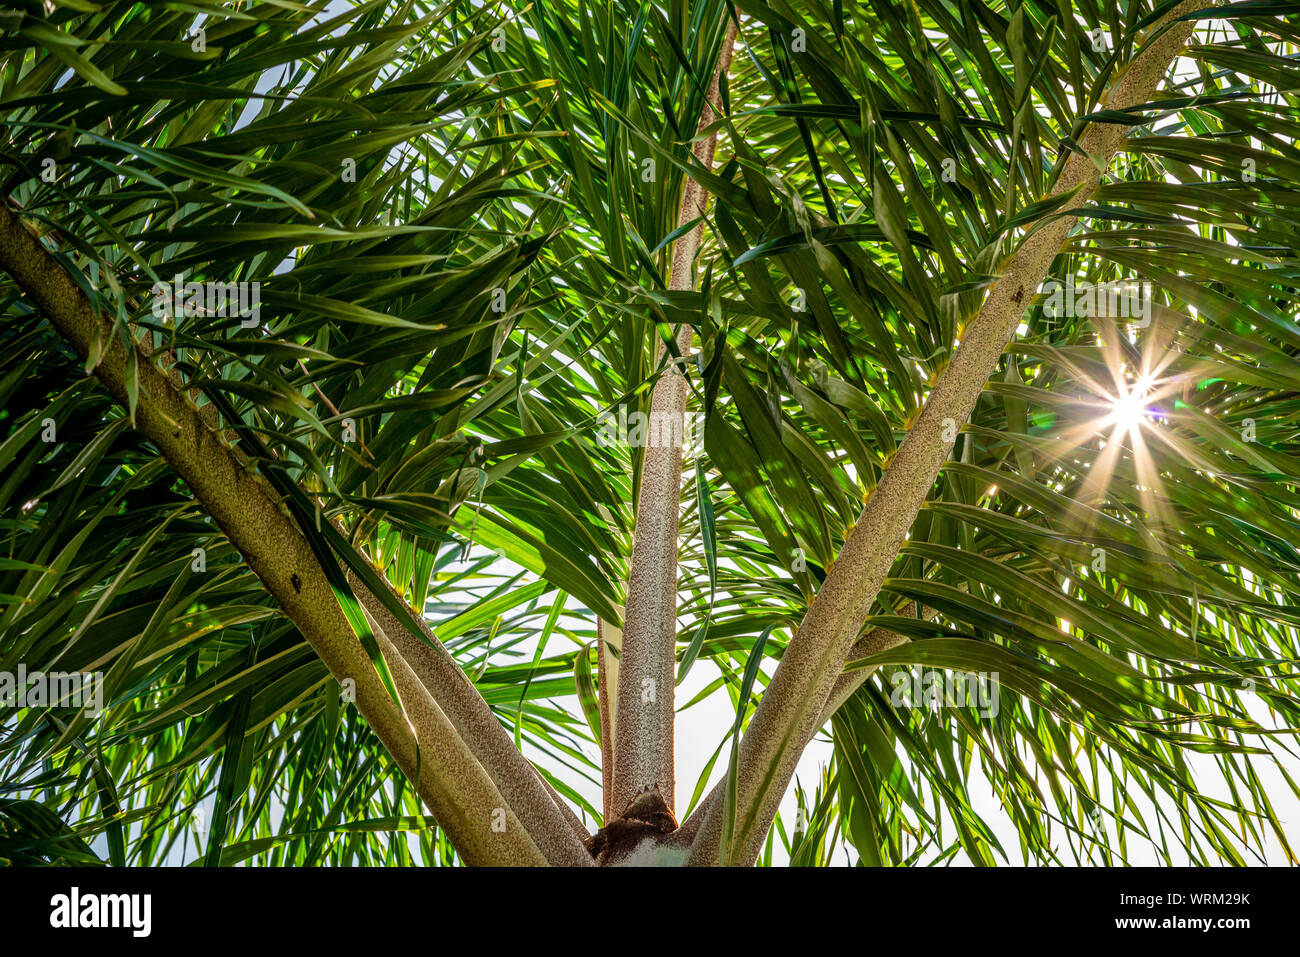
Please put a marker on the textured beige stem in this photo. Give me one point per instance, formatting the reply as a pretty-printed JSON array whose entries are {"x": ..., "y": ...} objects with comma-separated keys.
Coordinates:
[
  {"x": 607, "y": 675},
  {"x": 873, "y": 642},
  {"x": 801, "y": 685},
  {"x": 643, "y": 736},
  {"x": 555, "y": 828},
  {"x": 449, "y": 779}
]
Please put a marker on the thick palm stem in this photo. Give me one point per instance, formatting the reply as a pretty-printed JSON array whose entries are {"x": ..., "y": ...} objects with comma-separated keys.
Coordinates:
[
  {"x": 554, "y": 827},
  {"x": 644, "y": 737},
  {"x": 609, "y": 646},
  {"x": 449, "y": 779},
  {"x": 873, "y": 642},
  {"x": 801, "y": 685}
]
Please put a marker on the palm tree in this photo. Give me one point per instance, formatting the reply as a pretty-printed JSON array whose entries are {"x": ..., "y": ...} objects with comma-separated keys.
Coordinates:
[{"x": 986, "y": 313}]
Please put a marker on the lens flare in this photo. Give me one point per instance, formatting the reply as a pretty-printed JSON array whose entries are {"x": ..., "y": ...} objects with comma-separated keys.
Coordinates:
[{"x": 1129, "y": 409}]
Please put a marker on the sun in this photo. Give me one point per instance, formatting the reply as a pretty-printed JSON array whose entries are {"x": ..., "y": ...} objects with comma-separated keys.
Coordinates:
[
  {"x": 1125, "y": 419},
  {"x": 1130, "y": 408}
]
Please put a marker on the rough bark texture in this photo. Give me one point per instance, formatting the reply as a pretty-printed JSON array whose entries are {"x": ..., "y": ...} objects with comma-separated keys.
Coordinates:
[
  {"x": 607, "y": 676},
  {"x": 643, "y": 738},
  {"x": 873, "y": 642},
  {"x": 449, "y": 779},
  {"x": 801, "y": 685},
  {"x": 554, "y": 827}
]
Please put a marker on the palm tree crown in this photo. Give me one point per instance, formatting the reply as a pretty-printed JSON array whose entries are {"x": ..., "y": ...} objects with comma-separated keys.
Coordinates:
[{"x": 941, "y": 356}]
